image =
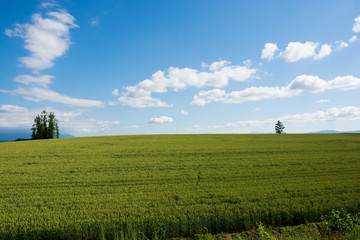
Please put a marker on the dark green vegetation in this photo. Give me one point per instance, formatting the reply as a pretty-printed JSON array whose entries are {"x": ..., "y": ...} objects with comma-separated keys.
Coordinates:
[
  {"x": 279, "y": 127},
  {"x": 308, "y": 231},
  {"x": 45, "y": 126},
  {"x": 173, "y": 185}
]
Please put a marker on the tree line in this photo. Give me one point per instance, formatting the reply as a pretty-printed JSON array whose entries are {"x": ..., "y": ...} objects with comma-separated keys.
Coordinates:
[{"x": 45, "y": 126}]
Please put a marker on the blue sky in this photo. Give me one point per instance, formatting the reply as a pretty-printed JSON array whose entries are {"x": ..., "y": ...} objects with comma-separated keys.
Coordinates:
[{"x": 146, "y": 67}]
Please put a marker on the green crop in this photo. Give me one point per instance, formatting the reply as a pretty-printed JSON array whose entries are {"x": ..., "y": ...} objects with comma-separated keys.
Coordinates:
[{"x": 162, "y": 186}]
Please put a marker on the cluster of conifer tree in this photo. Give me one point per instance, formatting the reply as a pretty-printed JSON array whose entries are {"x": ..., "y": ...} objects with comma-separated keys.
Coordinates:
[{"x": 45, "y": 126}]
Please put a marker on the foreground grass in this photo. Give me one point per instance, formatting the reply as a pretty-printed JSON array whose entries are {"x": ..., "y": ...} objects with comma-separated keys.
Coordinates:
[
  {"x": 163, "y": 186},
  {"x": 300, "y": 232}
]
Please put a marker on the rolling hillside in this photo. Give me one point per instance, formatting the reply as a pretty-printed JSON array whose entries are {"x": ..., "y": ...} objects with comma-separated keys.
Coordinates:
[{"x": 173, "y": 185}]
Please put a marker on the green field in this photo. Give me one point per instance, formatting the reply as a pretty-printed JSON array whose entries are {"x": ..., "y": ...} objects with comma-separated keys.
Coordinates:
[{"x": 173, "y": 185}]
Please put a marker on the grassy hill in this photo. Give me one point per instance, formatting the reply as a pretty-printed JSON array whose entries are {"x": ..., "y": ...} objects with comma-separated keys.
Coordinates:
[{"x": 173, "y": 185}]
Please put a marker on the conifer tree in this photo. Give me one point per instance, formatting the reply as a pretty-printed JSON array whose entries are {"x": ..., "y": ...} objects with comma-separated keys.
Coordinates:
[
  {"x": 279, "y": 127},
  {"x": 45, "y": 126}
]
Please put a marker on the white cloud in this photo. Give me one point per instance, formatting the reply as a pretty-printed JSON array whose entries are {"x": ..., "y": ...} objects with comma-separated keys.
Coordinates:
[
  {"x": 183, "y": 112},
  {"x": 353, "y": 39},
  {"x": 199, "y": 101},
  {"x": 42, "y": 80},
  {"x": 47, "y": 38},
  {"x": 344, "y": 83},
  {"x": 140, "y": 98},
  {"x": 247, "y": 63},
  {"x": 269, "y": 51},
  {"x": 94, "y": 21},
  {"x": 325, "y": 50},
  {"x": 356, "y": 27},
  {"x": 48, "y": 4},
  {"x": 348, "y": 113},
  {"x": 134, "y": 127},
  {"x": 296, "y": 51},
  {"x": 43, "y": 94},
  {"x": 72, "y": 122},
  {"x": 345, "y": 113},
  {"x": 248, "y": 94},
  {"x": 215, "y": 66},
  {"x": 112, "y": 103},
  {"x": 341, "y": 44},
  {"x": 115, "y": 92},
  {"x": 323, "y": 101},
  {"x": 204, "y": 65},
  {"x": 37, "y": 90},
  {"x": 218, "y": 75},
  {"x": 308, "y": 83},
  {"x": 302, "y": 83},
  {"x": 256, "y": 94},
  {"x": 212, "y": 94},
  {"x": 162, "y": 119},
  {"x": 256, "y": 109}
]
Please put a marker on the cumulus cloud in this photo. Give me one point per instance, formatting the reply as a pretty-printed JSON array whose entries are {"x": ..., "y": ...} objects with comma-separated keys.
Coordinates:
[
  {"x": 198, "y": 101},
  {"x": 325, "y": 50},
  {"x": 115, "y": 92},
  {"x": 204, "y": 65},
  {"x": 212, "y": 94},
  {"x": 307, "y": 83},
  {"x": 46, "y": 38},
  {"x": 215, "y": 66},
  {"x": 344, "y": 83},
  {"x": 296, "y": 51},
  {"x": 183, "y": 112},
  {"x": 302, "y": 83},
  {"x": 341, "y": 44},
  {"x": 162, "y": 119},
  {"x": 37, "y": 89},
  {"x": 356, "y": 27},
  {"x": 348, "y": 113},
  {"x": 218, "y": 74},
  {"x": 72, "y": 122},
  {"x": 248, "y": 94},
  {"x": 345, "y": 113},
  {"x": 353, "y": 39},
  {"x": 269, "y": 51},
  {"x": 140, "y": 98},
  {"x": 247, "y": 63}
]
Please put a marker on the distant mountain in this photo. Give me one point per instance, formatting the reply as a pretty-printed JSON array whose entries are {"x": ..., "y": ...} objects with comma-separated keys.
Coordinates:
[
  {"x": 12, "y": 136},
  {"x": 65, "y": 135},
  {"x": 334, "y": 131},
  {"x": 327, "y": 131},
  {"x": 8, "y": 136},
  {"x": 357, "y": 131}
]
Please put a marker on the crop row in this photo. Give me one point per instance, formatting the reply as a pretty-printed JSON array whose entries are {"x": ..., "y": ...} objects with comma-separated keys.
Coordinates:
[{"x": 173, "y": 185}]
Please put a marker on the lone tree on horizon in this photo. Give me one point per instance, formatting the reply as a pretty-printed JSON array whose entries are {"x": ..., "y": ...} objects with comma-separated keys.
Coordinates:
[
  {"x": 279, "y": 127},
  {"x": 45, "y": 126}
]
